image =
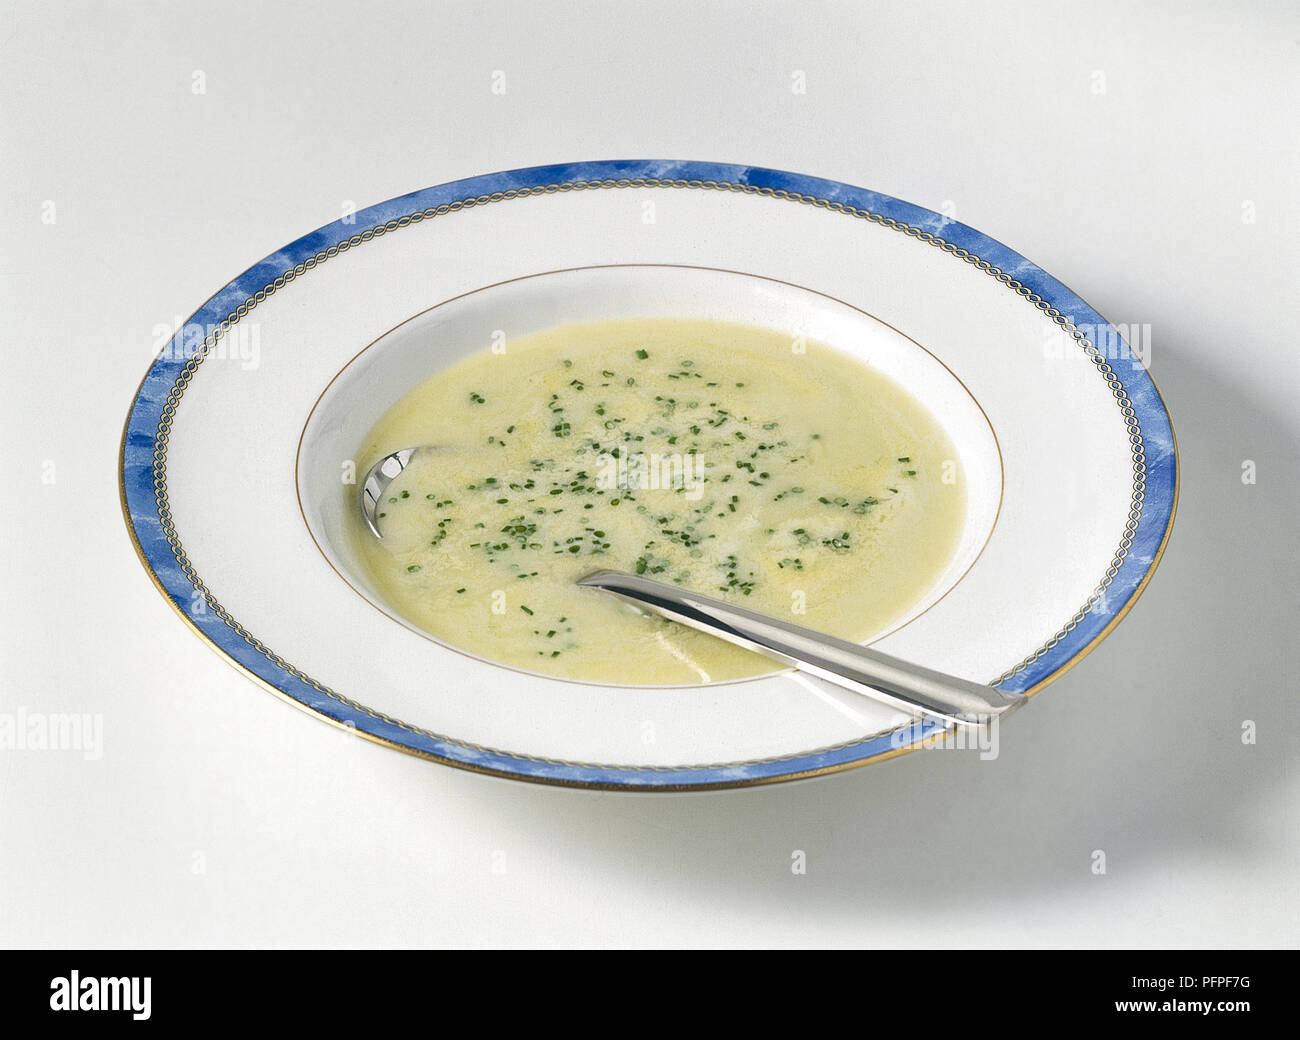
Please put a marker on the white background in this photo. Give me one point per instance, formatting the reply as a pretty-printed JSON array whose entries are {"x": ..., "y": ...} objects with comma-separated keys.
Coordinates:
[{"x": 220, "y": 816}]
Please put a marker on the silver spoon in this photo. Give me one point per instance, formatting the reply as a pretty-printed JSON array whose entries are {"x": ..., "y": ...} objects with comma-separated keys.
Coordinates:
[{"x": 897, "y": 683}]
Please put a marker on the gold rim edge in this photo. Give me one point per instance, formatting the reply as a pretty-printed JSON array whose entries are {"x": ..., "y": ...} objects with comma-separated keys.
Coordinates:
[{"x": 652, "y": 788}]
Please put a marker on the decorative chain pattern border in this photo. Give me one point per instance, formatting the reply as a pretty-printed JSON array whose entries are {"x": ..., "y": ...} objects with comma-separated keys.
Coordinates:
[{"x": 163, "y": 435}]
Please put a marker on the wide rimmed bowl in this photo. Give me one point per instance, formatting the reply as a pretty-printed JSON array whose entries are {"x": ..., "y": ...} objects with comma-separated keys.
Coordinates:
[{"x": 231, "y": 454}]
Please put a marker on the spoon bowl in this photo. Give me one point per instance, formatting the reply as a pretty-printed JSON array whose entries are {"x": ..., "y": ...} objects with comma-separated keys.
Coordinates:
[{"x": 378, "y": 477}]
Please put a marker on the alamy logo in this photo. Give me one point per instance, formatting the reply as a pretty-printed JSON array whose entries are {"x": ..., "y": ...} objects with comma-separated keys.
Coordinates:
[
  {"x": 639, "y": 471},
  {"x": 73, "y": 993},
  {"x": 25, "y": 730}
]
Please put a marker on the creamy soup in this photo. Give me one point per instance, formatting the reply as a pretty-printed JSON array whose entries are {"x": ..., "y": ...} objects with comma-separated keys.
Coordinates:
[{"x": 730, "y": 460}]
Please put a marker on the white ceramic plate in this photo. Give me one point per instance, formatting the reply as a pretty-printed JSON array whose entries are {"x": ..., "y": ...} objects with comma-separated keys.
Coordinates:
[{"x": 232, "y": 448}]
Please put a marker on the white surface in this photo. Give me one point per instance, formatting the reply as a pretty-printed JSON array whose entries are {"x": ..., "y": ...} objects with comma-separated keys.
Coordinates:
[{"x": 261, "y": 827}]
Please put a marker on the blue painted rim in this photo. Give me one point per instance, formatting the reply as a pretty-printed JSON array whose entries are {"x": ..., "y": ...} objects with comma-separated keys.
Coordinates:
[{"x": 142, "y": 508}]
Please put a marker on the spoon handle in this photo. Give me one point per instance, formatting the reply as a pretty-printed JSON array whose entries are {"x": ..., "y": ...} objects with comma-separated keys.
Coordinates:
[{"x": 908, "y": 687}]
